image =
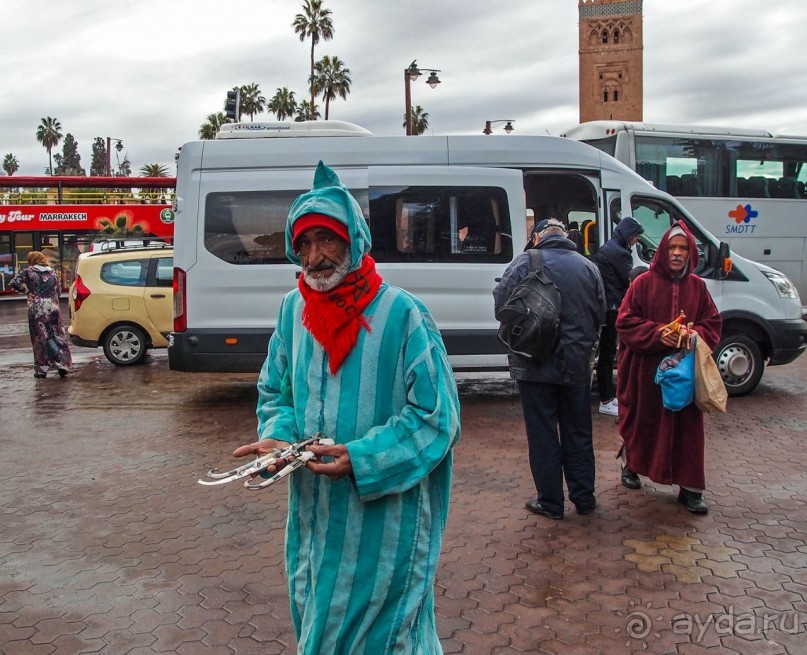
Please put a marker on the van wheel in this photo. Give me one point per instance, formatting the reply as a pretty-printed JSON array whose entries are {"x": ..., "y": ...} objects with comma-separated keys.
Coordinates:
[
  {"x": 740, "y": 363},
  {"x": 125, "y": 345}
]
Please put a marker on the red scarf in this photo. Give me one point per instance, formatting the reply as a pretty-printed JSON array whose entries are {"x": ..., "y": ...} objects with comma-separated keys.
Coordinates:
[{"x": 334, "y": 317}]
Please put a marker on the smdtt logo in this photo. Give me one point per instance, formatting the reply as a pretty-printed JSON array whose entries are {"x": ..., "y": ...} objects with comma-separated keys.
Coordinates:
[{"x": 742, "y": 216}]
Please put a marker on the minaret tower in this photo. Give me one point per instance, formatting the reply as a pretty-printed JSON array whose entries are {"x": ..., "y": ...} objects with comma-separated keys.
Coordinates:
[{"x": 610, "y": 60}]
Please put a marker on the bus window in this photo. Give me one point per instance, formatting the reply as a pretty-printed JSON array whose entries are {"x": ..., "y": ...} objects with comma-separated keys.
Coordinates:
[
  {"x": 607, "y": 145},
  {"x": 23, "y": 244},
  {"x": 49, "y": 246},
  {"x": 6, "y": 261}
]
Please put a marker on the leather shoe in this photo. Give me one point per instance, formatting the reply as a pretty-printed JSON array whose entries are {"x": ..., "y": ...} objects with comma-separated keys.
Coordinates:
[
  {"x": 693, "y": 501},
  {"x": 586, "y": 508},
  {"x": 536, "y": 507},
  {"x": 630, "y": 479}
]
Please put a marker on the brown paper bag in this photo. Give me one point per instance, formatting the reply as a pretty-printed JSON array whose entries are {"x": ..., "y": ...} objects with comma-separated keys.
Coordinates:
[{"x": 710, "y": 392}]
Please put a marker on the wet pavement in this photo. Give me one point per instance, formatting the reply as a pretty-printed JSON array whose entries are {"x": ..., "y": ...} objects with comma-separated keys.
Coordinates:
[{"x": 108, "y": 545}]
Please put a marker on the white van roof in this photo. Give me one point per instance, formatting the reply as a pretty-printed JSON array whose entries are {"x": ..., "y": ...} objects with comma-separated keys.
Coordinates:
[
  {"x": 257, "y": 154},
  {"x": 293, "y": 129}
]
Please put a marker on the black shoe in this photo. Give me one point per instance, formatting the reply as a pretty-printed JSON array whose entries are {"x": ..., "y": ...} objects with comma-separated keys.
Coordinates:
[
  {"x": 63, "y": 372},
  {"x": 40, "y": 375},
  {"x": 586, "y": 508},
  {"x": 630, "y": 479},
  {"x": 535, "y": 506},
  {"x": 693, "y": 501}
]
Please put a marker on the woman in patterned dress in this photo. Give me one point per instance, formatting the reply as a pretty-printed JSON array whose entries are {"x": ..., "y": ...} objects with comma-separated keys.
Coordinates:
[{"x": 41, "y": 284}]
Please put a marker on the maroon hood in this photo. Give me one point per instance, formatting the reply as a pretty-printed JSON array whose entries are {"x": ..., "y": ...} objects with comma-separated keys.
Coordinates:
[{"x": 661, "y": 261}]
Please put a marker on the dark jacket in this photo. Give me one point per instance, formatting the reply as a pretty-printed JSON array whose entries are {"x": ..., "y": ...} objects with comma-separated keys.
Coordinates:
[
  {"x": 615, "y": 261},
  {"x": 582, "y": 312}
]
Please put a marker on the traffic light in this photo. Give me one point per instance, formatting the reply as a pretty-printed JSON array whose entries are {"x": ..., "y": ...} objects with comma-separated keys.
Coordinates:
[{"x": 232, "y": 106}]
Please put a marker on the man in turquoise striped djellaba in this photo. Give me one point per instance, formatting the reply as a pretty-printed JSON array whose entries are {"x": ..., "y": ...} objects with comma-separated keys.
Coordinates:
[{"x": 360, "y": 362}]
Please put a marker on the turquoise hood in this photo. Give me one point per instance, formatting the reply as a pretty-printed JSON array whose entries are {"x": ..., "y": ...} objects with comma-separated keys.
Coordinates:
[{"x": 332, "y": 198}]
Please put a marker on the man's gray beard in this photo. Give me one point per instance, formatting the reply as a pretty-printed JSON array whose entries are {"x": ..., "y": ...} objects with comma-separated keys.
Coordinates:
[{"x": 327, "y": 283}]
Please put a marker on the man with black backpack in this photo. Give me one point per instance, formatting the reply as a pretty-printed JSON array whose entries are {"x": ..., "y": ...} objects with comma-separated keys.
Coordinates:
[{"x": 555, "y": 388}]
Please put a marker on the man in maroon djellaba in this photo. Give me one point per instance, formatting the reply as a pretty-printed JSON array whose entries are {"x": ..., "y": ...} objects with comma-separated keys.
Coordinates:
[{"x": 665, "y": 446}]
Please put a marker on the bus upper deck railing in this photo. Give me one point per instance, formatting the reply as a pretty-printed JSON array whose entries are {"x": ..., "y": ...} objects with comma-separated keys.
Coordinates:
[{"x": 23, "y": 190}]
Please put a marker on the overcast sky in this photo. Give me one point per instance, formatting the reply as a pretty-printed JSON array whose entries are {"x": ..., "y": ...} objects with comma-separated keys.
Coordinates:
[{"x": 149, "y": 72}]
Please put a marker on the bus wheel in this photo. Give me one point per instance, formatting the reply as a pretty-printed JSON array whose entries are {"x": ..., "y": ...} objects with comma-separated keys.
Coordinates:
[
  {"x": 125, "y": 345},
  {"x": 740, "y": 363}
]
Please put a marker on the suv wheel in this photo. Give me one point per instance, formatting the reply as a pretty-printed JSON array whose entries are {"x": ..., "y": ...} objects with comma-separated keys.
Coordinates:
[{"x": 125, "y": 345}]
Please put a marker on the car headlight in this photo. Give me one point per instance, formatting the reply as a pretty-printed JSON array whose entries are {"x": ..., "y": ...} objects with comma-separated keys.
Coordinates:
[{"x": 784, "y": 287}]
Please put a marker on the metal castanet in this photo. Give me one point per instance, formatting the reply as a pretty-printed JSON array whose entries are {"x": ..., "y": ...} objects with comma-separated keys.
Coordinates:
[{"x": 297, "y": 453}]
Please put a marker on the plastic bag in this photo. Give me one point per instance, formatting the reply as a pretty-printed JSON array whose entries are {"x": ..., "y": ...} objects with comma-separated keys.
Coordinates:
[{"x": 676, "y": 377}]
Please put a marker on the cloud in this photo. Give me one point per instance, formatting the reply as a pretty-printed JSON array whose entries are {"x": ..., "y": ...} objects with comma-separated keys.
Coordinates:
[{"x": 150, "y": 72}]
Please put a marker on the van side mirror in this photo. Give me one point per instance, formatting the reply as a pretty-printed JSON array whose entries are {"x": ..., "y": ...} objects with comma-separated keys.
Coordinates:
[{"x": 724, "y": 264}]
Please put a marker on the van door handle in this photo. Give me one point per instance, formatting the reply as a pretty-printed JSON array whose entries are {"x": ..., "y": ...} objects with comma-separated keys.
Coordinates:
[{"x": 158, "y": 295}]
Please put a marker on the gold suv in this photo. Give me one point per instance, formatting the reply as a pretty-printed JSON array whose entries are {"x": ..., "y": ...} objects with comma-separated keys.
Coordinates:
[{"x": 121, "y": 299}]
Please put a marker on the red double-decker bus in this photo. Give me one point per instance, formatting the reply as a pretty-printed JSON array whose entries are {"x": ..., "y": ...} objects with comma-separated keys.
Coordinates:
[{"x": 64, "y": 216}]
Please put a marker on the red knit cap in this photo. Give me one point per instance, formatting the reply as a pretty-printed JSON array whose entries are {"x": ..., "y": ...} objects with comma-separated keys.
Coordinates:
[{"x": 309, "y": 221}]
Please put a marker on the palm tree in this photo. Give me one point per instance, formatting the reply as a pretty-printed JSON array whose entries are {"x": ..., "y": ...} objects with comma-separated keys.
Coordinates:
[
  {"x": 10, "y": 164},
  {"x": 153, "y": 170},
  {"x": 252, "y": 101},
  {"x": 332, "y": 79},
  {"x": 420, "y": 120},
  {"x": 283, "y": 104},
  {"x": 210, "y": 129},
  {"x": 314, "y": 22},
  {"x": 305, "y": 113},
  {"x": 49, "y": 134}
]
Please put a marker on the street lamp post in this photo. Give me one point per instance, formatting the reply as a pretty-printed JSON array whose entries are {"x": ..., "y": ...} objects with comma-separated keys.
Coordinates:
[
  {"x": 507, "y": 128},
  {"x": 410, "y": 75},
  {"x": 118, "y": 147}
]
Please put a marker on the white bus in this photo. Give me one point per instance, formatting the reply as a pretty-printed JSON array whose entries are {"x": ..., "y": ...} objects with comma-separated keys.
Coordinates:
[{"x": 747, "y": 187}]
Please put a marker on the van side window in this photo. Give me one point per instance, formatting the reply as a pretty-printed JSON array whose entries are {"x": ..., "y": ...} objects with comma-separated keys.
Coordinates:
[
  {"x": 440, "y": 224},
  {"x": 656, "y": 216},
  {"x": 249, "y": 227}
]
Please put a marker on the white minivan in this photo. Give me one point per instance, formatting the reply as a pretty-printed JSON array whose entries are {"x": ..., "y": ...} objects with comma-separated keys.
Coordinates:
[{"x": 447, "y": 215}]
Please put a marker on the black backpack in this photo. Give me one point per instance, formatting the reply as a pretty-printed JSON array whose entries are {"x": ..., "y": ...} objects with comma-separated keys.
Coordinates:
[{"x": 530, "y": 319}]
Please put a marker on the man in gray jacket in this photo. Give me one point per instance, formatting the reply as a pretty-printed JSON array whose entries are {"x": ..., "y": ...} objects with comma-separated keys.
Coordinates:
[{"x": 556, "y": 394}]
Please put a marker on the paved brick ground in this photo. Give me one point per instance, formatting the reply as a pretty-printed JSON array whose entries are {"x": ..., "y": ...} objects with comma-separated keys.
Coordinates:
[{"x": 108, "y": 546}]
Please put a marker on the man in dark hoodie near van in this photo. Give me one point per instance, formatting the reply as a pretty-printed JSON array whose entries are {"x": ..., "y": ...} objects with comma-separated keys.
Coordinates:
[{"x": 615, "y": 261}]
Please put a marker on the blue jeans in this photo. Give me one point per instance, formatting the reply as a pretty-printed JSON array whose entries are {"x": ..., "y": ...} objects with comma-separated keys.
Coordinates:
[{"x": 558, "y": 423}]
